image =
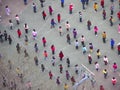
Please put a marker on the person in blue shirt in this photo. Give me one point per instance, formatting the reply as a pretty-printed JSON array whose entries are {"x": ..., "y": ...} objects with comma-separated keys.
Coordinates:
[
  {"x": 112, "y": 43},
  {"x": 62, "y": 3}
]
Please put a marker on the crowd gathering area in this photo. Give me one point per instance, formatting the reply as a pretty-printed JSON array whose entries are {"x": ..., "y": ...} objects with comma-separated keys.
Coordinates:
[{"x": 60, "y": 45}]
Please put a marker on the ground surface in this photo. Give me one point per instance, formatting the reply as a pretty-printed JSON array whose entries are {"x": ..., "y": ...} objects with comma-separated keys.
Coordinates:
[{"x": 33, "y": 73}]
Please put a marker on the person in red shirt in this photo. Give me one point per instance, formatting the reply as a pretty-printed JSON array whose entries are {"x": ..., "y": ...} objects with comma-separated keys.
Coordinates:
[
  {"x": 114, "y": 66},
  {"x": 101, "y": 87},
  {"x": 102, "y": 3},
  {"x": 61, "y": 55},
  {"x": 59, "y": 18},
  {"x": 44, "y": 41},
  {"x": 50, "y": 75},
  {"x": 70, "y": 8},
  {"x": 44, "y": 15},
  {"x": 118, "y": 48},
  {"x": 114, "y": 81},
  {"x": 53, "y": 49},
  {"x": 19, "y": 33},
  {"x": 118, "y": 15}
]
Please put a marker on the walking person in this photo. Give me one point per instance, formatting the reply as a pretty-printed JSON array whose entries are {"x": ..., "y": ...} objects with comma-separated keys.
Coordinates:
[
  {"x": 105, "y": 59},
  {"x": 50, "y": 10},
  {"x": 34, "y": 34},
  {"x": 112, "y": 9},
  {"x": 5, "y": 35},
  {"x": 44, "y": 41},
  {"x": 104, "y": 14},
  {"x": 95, "y": 6},
  {"x": 34, "y": 7},
  {"x": 84, "y": 49},
  {"x": 50, "y": 75},
  {"x": 115, "y": 66},
  {"x": 18, "y": 48},
  {"x": 118, "y": 48},
  {"x": 68, "y": 39},
  {"x": 61, "y": 55},
  {"x": 66, "y": 86},
  {"x": 17, "y": 19},
  {"x": 105, "y": 73},
  {"x": 1, "y": 37},
  {"x": 53, "y": 23},
  {"x": 61, "y": 68},
  {"x": 98, "y": 53},
  {"x": 114, "y": 81},
  {"x": 11, "y": 24},
  {"x": 97, "y": 67},
  {"x": 26, "y": 28},
  {"x": 59, "y": 17},
  {"x": 9, "y": 39},
  {"x": 67, "y": 25},
  {"x": 45, "y": 54},
  {"x": 42, "y": 67},
  {"x": 95, "y": 30},
  {"x": 112, "y": 43},
  {"x": 101, "y": 87},
  {"x": 104, "y": 37},
  {"x": 80, "y": 16},
  {"x": 73, "y": 80},
  {"x": 70, "y": 8},
  {"x": 26, "y": 40},
  {"x": 7, "y": 9},
  {"x": 25, "y": 2},
  {"x": 74, "y": 33},
  {"x": 89, "y": 59},
  {"x": 102, "y": 3},
  {"x": 67, "y": 75},
  {"x": 62, "y": 3},
  {"x": 26, "y": 53},
  {"x": 36, "y": 47},
  {"x": 91, "y": 47},
  {"x": 76, "y": 69},
  {"x": 68, "y": 62},
  {"x": 83, "y": 40},
  {"x": 89, "y": 25},
  {"x": 76, "y": 44},
  {"x": 53, "y": 49},
  {"x": 36, "y": 60},
  {"x": 60, "y": 30},
  {"x": 111, "y": 20},
  {"x": 19, "y": 33},
  {"x": 119, "y": 28},
  {"x": 58, "y": 80},
  {"x": 53, "y": 61},
  {"x": 44, "y": 14},
  {"x": 41, "y": 2},
  {"x": 83, "y": 4}
]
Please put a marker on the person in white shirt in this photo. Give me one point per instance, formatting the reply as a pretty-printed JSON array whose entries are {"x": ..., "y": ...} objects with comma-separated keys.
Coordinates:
[{"x": 34, "y": 34}]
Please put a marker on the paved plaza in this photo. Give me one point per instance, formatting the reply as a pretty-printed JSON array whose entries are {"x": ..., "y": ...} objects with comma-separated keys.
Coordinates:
[{"x": 35, "y": 21}]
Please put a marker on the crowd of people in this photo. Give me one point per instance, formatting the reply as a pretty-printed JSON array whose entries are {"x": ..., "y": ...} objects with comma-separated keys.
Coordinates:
[{"x": 87, "y": 49}]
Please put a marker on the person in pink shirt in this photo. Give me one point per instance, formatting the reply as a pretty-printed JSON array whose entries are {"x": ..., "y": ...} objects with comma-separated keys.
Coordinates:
[
  {"x": 119, "y": 28},
  {"x": 95, "y": 30},
  {"x": 70, "y": 8}
]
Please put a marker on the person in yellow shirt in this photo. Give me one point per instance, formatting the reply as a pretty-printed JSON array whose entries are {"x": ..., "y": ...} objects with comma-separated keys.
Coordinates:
[
  {"x": 104, "y": 37},
  {"x": 105, "y": 73},
  {"x": 65, "y": 87},
  {"x": 95, "y": 6}
]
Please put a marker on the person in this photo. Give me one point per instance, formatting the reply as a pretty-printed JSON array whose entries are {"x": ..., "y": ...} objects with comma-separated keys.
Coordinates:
[
  {"x": 98, "y": 53},
  {"x": 44, "y": 41},
  {"x": 45, "y": 54},
  {"x": 76, "y": 44},
  {"x": 114, "y": 81},
  {"x": 36, "y": 47},
  {"x": 112, "y": 9},
  {"x": 62, "y": 3},
  {"x": 118, "y": 15},
  {"x": 95, "y": 6},
  {"x": 26, "y": 40},
  {"x": 105, "y": 73},
  {"x": 102, "y": 3},
  {"x": 67, "y": 75},
  {"x": 73, "y": 80},
  {"x": 87, "y": 1},
  {"x": 26, "y": 28},
  {"x": 11, "y": 24},
  {"x": 60, "y": 30},
  {"x": 112, "y": 43},
  {"x": 29, "y": 85},
  {"x": 34, "y": 34},
  {"x": 52, "y": 23},
  {"x": 53, "y": 61},
  {"x": 115, "y": 66},
  {"x": 68, "y": 62},
  {"x": 18, "y": 48},
  {"x": 68, "y": 39},
  {"x": 61, "y": 68},
  {"x": 83, "y": 4},
  {"x": 59, "y": 17},
  {"x": 70, "y": 8},
  {"x": 1, "y": 37},
  {"x": 5, "y": 35},
  {"x": 44, "y": 14},
  {"x": 17, "y": 19},
  {"x": 119, "y": 28},
  {"x": 74, "y": 33},
  {"x": 10, "y": 64},
  {"x": 84, "y": 49},
  {"x": 76, "y": 69},
  {"x": 9, "y": 39},
  {"x": 66, "y": 86},
  {"x": 67, "y": 25},
  {"x": 104, "y": 37},
  {"x": 42, "y": 1},
  {"x": 34, "y": 7},
  {"x": 89, "y": 24},
  {"x": 26, "y": 53},
  {"x": 7, "y": 9},
  {"x": 101, "y": 87},
  {"x": 42, "y": 67},
  {"x": 50, "y": 75},
  {"x": 50, "y": 10},
  {"x": 91, "y": 47},
  {"x": 89, "y": 59},
  {"x": 80, "y": 15},
  {"x": 97, "y": 67},
  {"x": 111, "y": 20},
  {"x": 83, "y": 40},
  {"x": 58, "y": 80},
  {"x": 25, "y": 2},
  {"x": 36, "y": 60},
  {"x": 53, "y": 49},
  {"x": 95, "y": 30},
  {"x": 61, "y": 55},
  {"x": 18, "y": 71},
  {"x": 118, "y": 48},
  {"x": 19, "y": 33},
  {"x": 105, "y": 59},
  {"x": 104, "y": 14}
]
